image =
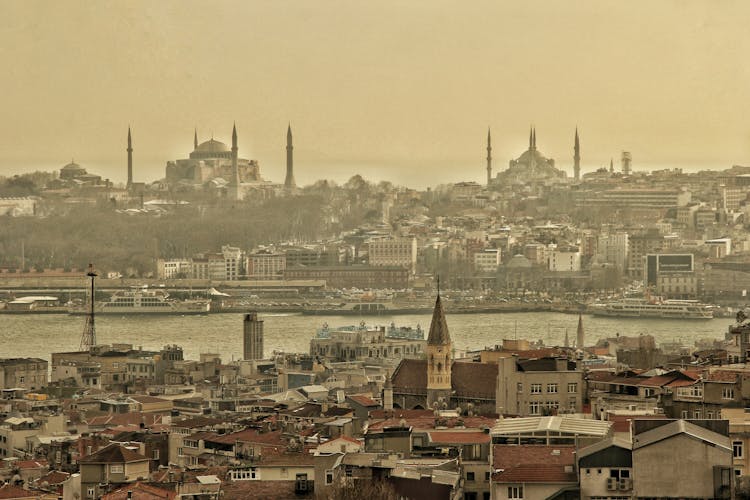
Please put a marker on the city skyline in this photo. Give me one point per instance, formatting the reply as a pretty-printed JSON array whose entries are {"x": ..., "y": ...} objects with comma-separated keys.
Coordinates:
[{"x": 388, "y": 91}]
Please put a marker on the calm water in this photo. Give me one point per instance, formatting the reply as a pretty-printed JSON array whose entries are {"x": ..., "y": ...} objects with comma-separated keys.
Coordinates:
[{"x": 40, "y": 335}]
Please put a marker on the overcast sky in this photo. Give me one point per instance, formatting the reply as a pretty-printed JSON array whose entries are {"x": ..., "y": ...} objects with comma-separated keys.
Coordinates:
[{"x": 398, "y": 90}]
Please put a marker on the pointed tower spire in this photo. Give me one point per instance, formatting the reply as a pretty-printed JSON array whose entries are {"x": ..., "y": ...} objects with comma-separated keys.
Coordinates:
[
  {"x": 611, "y": 166},
  {"x": 439, "y": 358},
  {"x": 579, "y": 333},
  {"x": 130, "y": 160},
  {"x": 195, "y": 138},
  {"x": 531, "y": 137}
]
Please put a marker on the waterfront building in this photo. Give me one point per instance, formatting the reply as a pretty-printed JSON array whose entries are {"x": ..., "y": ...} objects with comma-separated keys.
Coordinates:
[
  {"x": 565, "y": 259},
  {"x": 252, "y": 339},
  {"x": 174, "y": 268},
  {"x": 358, "y": 276},
  {"x": 22, "y": 206},
  {"x": 487, "y": 260},
  {"x": 266, "y": 264},
  {"x": 401, "y": 252},
  {"x": 380, "y": 345}
]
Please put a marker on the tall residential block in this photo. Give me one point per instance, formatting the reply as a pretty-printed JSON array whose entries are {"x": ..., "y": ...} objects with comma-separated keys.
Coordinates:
[{"x": 252, "y": 341}]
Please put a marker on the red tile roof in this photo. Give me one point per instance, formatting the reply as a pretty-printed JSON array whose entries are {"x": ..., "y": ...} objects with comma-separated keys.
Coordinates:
[
  {"x": 113, "y": 453},
  {"x": 53, "y": 477},
  {"x": 268, "y": 490},
  {"x": 140, "y": 491},
  {"x": 536, "y": 473},
  {"x": 468, "y": 379},
  {"x": 8, "y": 492},
  {"x": 363, "y": 400},
  {"x": 505, "y": 456}
]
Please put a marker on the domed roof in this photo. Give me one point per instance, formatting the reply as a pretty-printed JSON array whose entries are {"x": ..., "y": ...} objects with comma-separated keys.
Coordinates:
[
  {"x": 212, "y": 146},
  {"x": 525, "y": 158},
  {"x": 72, "y": 166}
]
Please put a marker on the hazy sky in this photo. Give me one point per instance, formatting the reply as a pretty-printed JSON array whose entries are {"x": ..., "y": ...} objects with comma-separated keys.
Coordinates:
[{"x": 399, "y": 90}]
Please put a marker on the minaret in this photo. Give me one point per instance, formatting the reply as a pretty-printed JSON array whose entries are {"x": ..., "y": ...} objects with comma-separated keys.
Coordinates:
[
  {"x": 235, "y": 190},
  {"x": 388, "y": 394},
  {"x": 195, "y": 140},
  {"x": 289, "y": 181},
  {"x": 577, "y": 158},
  {"x": 579, "y": 333},
  {"x": 439, "y": 362},
  {"x": 489, "y": 157},
  {"x": 611, "y": 166},
  {"x": 130, "y": 160},
  {"x": 531, "y": 137}
]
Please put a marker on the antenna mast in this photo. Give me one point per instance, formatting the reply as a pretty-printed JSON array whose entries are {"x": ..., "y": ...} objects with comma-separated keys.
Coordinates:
[{"x": 88, "y": 338}]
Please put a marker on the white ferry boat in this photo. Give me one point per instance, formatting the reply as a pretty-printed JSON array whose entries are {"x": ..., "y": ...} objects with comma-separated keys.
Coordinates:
[
  {"x": 642, "y": 308},
  {"x": 141, "y": 300}
]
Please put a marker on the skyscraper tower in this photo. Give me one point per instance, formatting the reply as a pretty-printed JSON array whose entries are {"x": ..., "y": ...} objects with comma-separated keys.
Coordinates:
[
  {"x": 439, "y": 362},
  {"x": 626, "y": 160},
  {"x": 88, "y": 338},
  {"x": 489, "y": 157},
  {"x": 289, "y": 181},
  {"x": 235, "y": 191},
  {"x": 130, "y": 161},
  {"x": 252, "y": 340},
  {"x": 577, "y": 158}
]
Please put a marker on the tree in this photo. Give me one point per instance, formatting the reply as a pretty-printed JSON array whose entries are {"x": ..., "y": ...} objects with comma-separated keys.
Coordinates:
[{"x": 348, "y": 489}]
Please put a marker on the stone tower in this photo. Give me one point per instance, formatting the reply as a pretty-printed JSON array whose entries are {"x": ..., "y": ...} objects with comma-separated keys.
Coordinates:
[
  {"x": 252, "y": 341},
  {"x": 289, "y": 181},
  {"x": 130, "y": 161},
  {"x": 579, "y": 333},
  {"x": 438, "y": 358},
  {"x": 489, "y": 157},
  {"x": 577, "y": 158}
]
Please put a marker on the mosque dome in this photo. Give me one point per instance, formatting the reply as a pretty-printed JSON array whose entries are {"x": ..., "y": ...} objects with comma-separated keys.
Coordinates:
[
  {"x": 212, "y": 146},
  {"x": 72, "y": 166}
]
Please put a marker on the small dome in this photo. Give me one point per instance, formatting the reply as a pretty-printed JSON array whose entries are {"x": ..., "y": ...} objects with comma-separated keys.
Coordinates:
[
  {"x": 72, "y": 166},
  {"x": 212, "y": 146}
]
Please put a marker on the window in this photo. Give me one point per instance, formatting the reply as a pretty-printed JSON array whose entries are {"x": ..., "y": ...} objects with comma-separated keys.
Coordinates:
[
  {"x": 486, "y": 476},
  {"x": 535, "y": 408},
  {"x": 684, "y": 414},
  {"x": 572, "y": 404},
  {"x": 520, "y": 387},
  {"x": 329, "y": 477},
  {"x": 515, "y": 492},
  {"x": 156, "y": 454},
  {"x": 727, "y": 393},
  {"x": 470, "y": 476},
  {"x": 710, "y": 415},
  {"x": 552, "y": 388},
  {"x": 737, "y": 450},
  {"x": 572, "y": 387},
  {"x": 696, "y": 414},
  {"x": 116, "y": 469},
  {"x": 536, "y": 388},
  {"x": 91, "y": 492}
]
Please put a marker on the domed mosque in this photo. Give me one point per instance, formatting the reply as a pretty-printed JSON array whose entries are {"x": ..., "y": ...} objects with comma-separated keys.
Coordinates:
[
  {"x": 213, "y": 164},
  {"x": 531, "y": 166}
]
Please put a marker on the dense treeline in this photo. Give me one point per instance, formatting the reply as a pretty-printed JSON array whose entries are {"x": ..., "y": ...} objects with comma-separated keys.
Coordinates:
[{"x": 114, "y": 240}]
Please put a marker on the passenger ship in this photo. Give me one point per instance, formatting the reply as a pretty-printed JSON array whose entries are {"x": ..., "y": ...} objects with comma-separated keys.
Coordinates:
[
  {"x": 642, "y": 308},
  {"x": 141, "y": 300}
]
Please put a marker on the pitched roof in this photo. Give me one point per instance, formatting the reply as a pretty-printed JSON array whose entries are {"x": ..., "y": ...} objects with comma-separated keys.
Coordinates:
[
  {"x": 363, "y": 400},
  {"x": 533, "y": 463},
  {"x": 459, "y": 437},
  {"x": 271, "y": 490},
  {"x": 113, "y": 453},
  {"x": 438, "y": 327},
  {"x": 680, "y": 427},
  {"x": 140, "y": 491},
  {"x": 468, "y": 379},
  {"x": 8, "y": 492},
  {"x": 560, "y": 423}
]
